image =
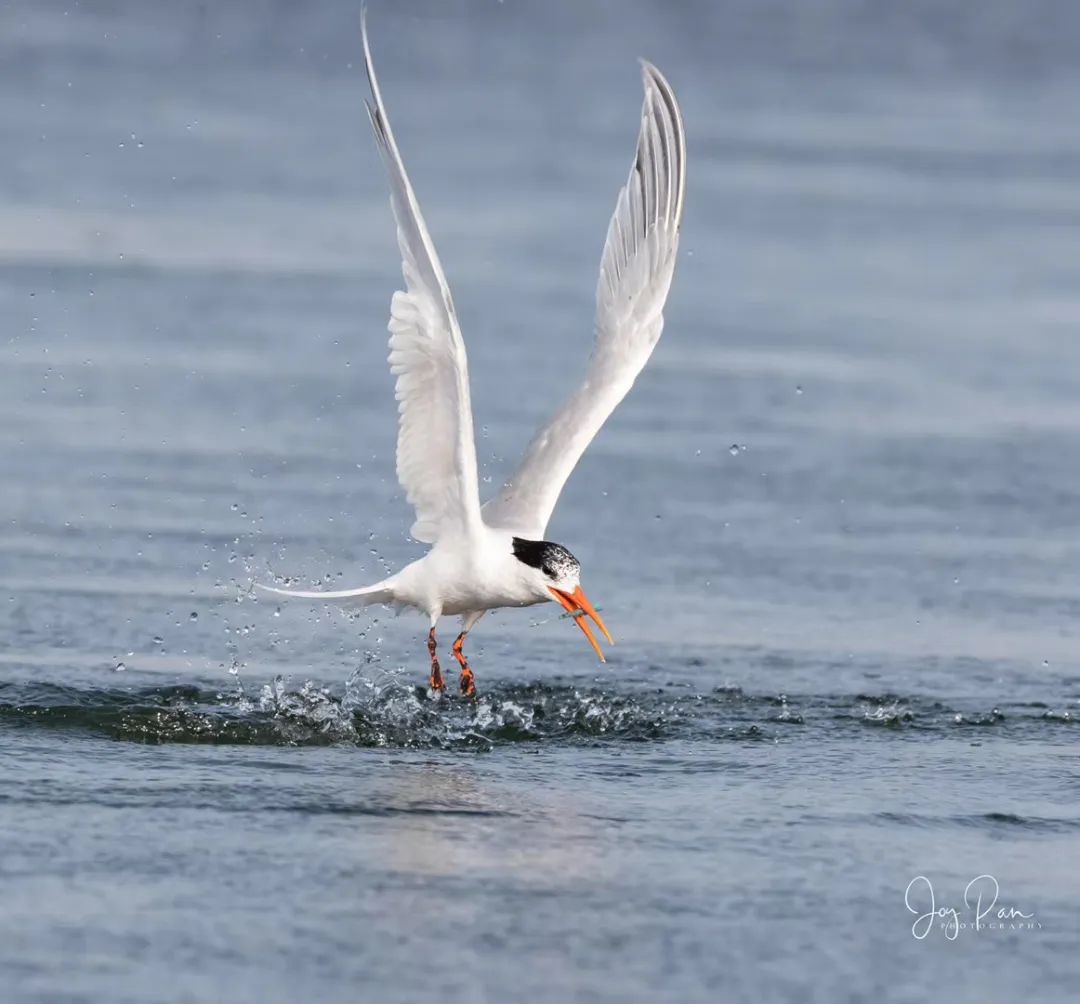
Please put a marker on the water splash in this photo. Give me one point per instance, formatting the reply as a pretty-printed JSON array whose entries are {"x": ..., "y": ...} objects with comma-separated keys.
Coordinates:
[
  {"x": 892, "y": 714},
  {"x": 380, "y": 712},
  {"x": 382, "y": 709}
]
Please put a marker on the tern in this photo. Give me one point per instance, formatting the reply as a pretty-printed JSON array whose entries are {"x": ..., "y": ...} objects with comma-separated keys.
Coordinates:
[{"x": 494, "y": 555}]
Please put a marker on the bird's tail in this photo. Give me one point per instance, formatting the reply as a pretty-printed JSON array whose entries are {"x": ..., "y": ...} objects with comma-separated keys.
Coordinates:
[{"x": 381, "y": 592}]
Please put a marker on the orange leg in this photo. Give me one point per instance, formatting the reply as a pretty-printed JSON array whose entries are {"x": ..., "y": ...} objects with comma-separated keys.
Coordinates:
[
  {"x": 436, "y": 681},
  {"x": 467, "y": 682}
]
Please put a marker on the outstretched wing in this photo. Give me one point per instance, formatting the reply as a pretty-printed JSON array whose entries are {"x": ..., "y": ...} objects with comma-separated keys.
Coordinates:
[
  {"x": 635, "y": 275},
  {"x": 436, "y": 451}
]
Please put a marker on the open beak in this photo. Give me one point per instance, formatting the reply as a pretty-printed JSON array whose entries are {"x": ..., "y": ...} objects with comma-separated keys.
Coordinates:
[{"x": 578, "y": 606}]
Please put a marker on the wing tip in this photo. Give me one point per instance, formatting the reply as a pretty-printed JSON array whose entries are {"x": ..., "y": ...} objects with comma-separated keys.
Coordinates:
[
  {"x": 369, "y": 63},
  {"x": 653, "y": 79},
  {"x": 649, "y": 72},
  {"x": 655, "y": 82},
  {"x": 363, "y": 26}
]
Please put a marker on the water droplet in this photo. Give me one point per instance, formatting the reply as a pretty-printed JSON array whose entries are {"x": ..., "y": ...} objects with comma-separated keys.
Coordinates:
[
  {"x": 193, "y": 616},
  {"x": 798, "y": 388},
  {"x": 734, "y": 449},
  {"x": 119, "y": 667},
  {"x": 234, "y": 507}
]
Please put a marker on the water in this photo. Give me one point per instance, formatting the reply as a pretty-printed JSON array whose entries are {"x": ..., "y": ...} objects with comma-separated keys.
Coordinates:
[{"x": 833, "y": 528}]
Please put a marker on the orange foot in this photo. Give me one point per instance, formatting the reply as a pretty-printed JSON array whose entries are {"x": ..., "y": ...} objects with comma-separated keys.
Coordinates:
[
  {"x": 467, "y": 681},
  {"x": 435, "y": 681}
]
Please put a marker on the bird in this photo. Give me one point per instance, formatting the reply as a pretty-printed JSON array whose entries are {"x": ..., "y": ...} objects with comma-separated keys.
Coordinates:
[{"x": 495, "y": 555}]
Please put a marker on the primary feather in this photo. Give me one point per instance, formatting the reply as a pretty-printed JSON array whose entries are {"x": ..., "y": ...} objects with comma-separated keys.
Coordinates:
[{"x": 635, "y": 274}]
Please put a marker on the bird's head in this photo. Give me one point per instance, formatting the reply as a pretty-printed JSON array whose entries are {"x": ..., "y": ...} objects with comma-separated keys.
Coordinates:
[{"x": 555, "y": 574}]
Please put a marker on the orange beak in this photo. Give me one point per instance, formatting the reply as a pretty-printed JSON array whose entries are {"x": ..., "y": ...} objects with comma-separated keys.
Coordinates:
[{"x": 578, "y": 606}]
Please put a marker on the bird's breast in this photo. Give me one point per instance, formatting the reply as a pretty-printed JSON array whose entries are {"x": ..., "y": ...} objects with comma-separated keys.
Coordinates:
[
  {"x": 462, "y": 576},
  {"x": 482, "y": 593}
]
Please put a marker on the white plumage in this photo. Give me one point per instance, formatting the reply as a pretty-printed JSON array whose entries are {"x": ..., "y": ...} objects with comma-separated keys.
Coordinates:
[
  {"x": 635, "y": 275},
  {"x": 436, "y": 451},
  {"x": 496, "y": 556}
]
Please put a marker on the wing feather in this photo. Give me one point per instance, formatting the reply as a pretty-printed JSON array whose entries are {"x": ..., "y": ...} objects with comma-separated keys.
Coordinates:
[
  {"x": 436, "y": 449},
  {"x": 635, "y": 274}
]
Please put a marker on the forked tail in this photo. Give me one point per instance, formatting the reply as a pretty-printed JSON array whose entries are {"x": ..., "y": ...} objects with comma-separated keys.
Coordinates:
[{"x": 381, "y": 592}]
